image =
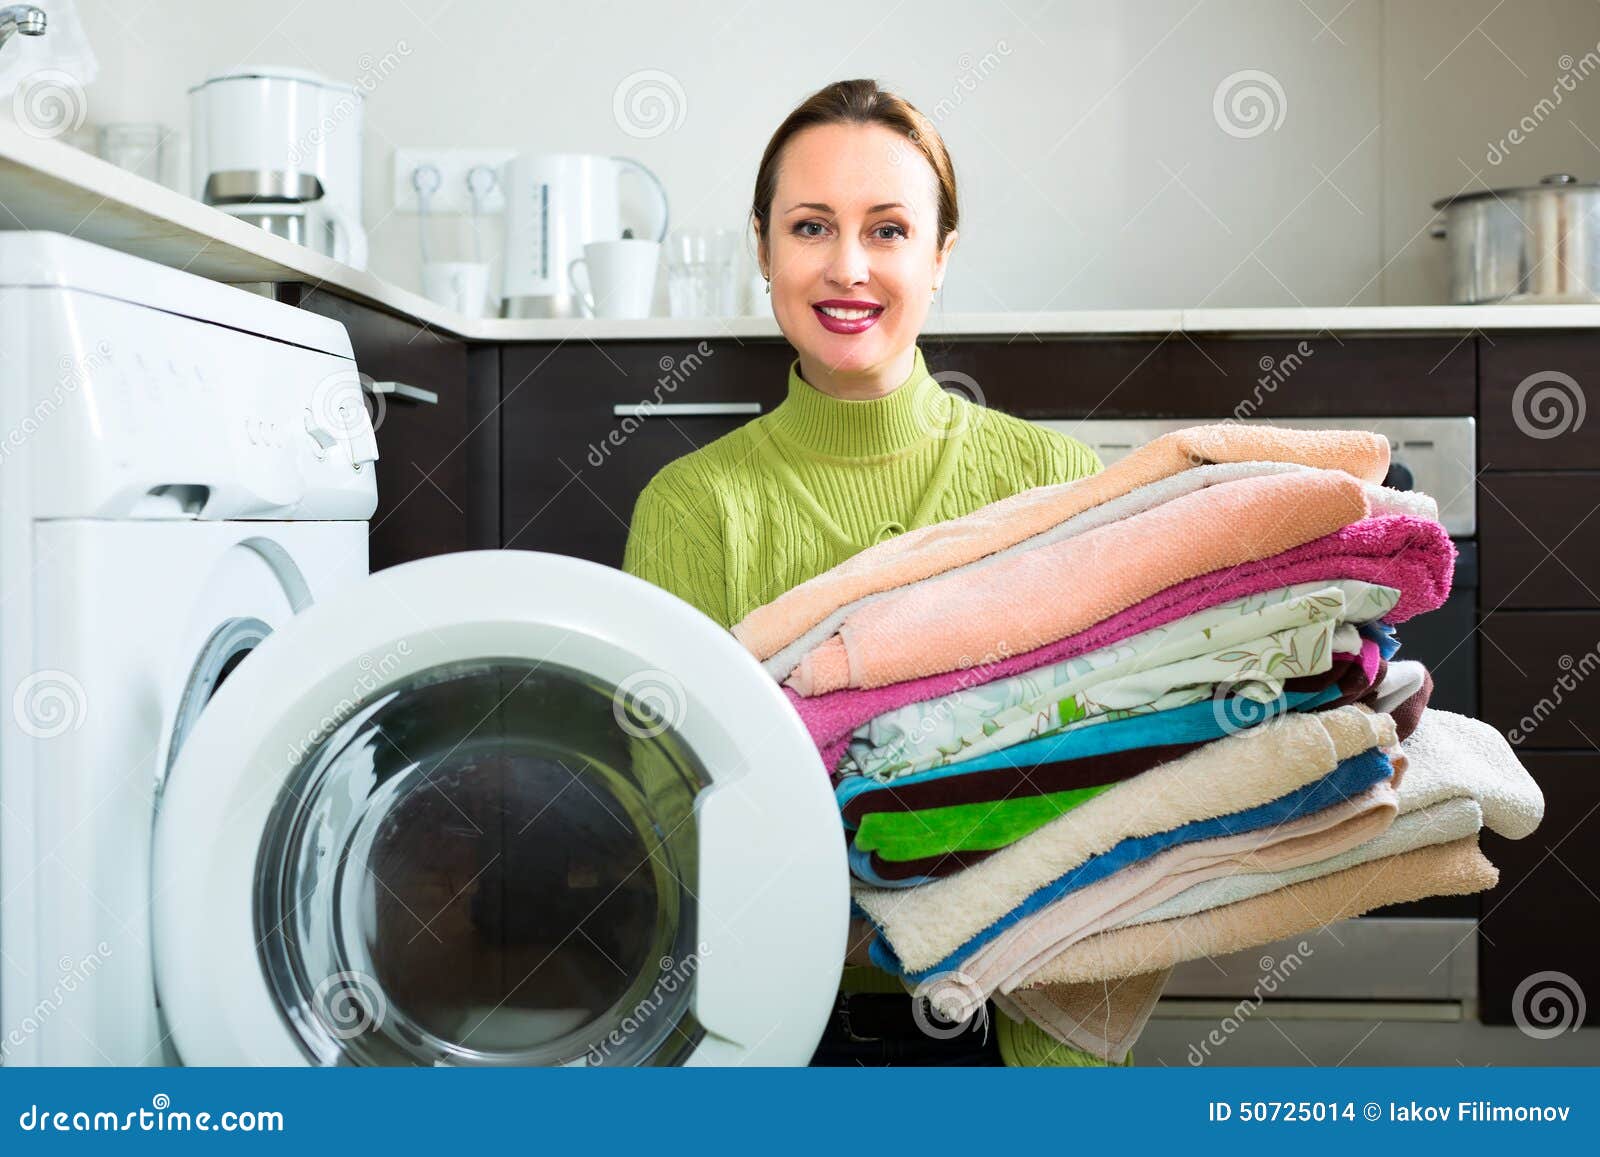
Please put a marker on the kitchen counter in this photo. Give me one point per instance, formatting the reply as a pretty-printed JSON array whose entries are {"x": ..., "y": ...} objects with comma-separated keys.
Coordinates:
[{"x": 45, "y": 184}]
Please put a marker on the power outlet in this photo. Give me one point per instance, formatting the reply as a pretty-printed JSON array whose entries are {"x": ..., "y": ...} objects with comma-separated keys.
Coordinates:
[{"x": 453, "y": 165}]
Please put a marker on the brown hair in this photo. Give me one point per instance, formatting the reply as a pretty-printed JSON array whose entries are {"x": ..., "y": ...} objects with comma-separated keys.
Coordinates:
[{"x": 858, "y": 102}]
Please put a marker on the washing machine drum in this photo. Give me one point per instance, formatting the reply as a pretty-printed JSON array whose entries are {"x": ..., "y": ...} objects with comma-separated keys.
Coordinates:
[{"x": 500, "y": 808}]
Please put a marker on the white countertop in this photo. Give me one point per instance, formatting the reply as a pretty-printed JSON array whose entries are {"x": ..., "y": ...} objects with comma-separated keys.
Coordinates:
[{"x": 45, "y": 184}]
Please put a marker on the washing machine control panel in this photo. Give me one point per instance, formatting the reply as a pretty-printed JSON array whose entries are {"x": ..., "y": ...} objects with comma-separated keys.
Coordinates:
[{"x": 136, "y": 412}]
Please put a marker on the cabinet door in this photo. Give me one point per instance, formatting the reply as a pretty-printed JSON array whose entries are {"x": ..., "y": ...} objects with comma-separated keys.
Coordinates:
[
  {"x": 1533, "y": 396},
  {"x": 573, "y": 465},
  {"x": 1545, "y": 534},
  {"x": 1540, "y": 929},
  {"x": 1541, "y": 677},
  {"x": 438, "y": 464}
]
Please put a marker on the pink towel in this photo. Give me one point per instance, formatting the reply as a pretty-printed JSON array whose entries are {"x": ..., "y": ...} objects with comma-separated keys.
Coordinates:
[
  {"x": 1410, "y": 554},
  {"x": 932, "y": 550},
  {"x": 1031, "y": 599}
]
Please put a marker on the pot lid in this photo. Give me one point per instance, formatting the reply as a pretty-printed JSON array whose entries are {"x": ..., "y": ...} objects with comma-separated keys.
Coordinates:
[{"x": 1553, "y": 183}]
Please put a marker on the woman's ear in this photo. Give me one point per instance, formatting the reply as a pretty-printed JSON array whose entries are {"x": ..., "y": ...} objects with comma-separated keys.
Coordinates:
[
  {"x": 762, "y": 256},
  {"x": 942, "y": 260}
]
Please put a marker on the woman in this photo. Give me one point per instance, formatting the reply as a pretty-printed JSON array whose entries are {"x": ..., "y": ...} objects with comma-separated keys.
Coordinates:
[{"x": 855, "y": 218}]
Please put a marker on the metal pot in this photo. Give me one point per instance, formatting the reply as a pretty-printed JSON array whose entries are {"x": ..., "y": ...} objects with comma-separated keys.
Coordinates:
[{"x": 1538, "y": 243}]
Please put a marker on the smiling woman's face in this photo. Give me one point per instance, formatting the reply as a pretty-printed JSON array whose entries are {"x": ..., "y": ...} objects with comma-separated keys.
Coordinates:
[{"x": 852, "y": 251}]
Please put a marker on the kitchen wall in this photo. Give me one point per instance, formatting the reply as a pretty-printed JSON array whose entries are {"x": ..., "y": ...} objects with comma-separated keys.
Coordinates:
[{"x": 1102, "y": 162}]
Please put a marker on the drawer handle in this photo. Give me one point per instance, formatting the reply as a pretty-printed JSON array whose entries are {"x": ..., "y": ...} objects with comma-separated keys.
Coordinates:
[
  {"x": 685, "y": 409},
  {"x": 409, "y": 393}
]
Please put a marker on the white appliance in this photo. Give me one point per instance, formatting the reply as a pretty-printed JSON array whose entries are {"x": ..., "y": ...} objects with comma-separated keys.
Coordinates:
[
  {"x": 259, "y": 134},
  {"x": 556, "y": 203},
  {"x": 261, "y": 807}
]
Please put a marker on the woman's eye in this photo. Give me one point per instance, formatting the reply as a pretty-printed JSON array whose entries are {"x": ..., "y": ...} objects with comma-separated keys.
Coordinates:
[
  {"x": 804, "y": 225},
  {"x": 894, "y": 229}
]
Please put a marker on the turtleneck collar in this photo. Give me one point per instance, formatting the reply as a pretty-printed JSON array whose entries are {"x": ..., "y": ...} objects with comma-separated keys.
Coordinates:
[{"x": 910, "y": 413}]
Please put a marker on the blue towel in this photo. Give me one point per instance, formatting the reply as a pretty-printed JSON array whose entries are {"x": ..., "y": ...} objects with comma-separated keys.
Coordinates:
[
  {"x": 1381, "y": 633},
  {"x": 1350, "y": 778}
]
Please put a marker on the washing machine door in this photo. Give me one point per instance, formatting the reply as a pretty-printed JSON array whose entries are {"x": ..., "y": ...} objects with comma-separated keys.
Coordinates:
[{"x": 498, "y": 807}]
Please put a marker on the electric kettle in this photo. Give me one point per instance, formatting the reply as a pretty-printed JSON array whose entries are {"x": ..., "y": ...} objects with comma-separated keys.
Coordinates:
[{"x": 555, "y": 204}]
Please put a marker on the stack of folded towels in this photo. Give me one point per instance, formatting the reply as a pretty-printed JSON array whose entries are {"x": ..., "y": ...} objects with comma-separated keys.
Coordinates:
[{"x": 1098, "y": 728}]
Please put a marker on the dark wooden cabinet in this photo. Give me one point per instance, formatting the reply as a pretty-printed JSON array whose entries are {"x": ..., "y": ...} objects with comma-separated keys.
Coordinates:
[
  {"x": 1541, "y": 677},
  {"x": 1545, "y": 527},
  {"x": 572, "y": 467},
  {"x": 1540, "y": 928},
  {"x": 1533, "y": 397},
  {"x": 1183, "y": 376},
  {"x": 1539, "y": 534}
]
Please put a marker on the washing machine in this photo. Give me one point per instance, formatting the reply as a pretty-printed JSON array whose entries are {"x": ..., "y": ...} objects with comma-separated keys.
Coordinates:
[{"x": 258, "y": 806}]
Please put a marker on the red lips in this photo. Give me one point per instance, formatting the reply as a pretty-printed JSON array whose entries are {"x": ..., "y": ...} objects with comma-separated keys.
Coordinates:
[{"x": 847, "y": 325}]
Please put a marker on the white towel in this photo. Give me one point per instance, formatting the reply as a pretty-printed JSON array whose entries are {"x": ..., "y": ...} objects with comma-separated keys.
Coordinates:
[{"x": 1400, "y": 682}]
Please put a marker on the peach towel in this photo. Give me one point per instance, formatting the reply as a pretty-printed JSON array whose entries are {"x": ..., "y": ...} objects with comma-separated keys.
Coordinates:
[
  {"x": 932, "y": 550},
  {"x": 1456, "y": 868},
  {"x": 1035, "y": 598},
  {"x": 1027, "y": 946}
]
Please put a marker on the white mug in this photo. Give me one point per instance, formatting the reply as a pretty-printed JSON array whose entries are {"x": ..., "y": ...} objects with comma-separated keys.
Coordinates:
[
  {"x": 459, "y": 285},
  {"x": 620, "y": 276}
]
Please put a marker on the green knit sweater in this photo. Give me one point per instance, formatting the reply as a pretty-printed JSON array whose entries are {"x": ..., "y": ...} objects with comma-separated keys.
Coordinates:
[{"x": 797, "y": 491}]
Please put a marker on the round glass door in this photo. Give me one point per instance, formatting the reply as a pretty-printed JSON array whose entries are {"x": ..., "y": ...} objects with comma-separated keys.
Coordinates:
[{"x": 490, "y": 862}]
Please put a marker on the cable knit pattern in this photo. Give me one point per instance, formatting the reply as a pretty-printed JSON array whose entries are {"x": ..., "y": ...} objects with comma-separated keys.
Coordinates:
[{"x": 797, "y": 491}]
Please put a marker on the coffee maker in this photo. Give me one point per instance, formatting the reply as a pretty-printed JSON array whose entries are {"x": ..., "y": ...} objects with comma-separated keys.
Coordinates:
[{"x": 281, "y": 148}]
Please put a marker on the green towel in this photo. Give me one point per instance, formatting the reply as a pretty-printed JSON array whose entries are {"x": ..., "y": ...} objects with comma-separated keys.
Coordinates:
[{"x": 967, "y": 827}]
